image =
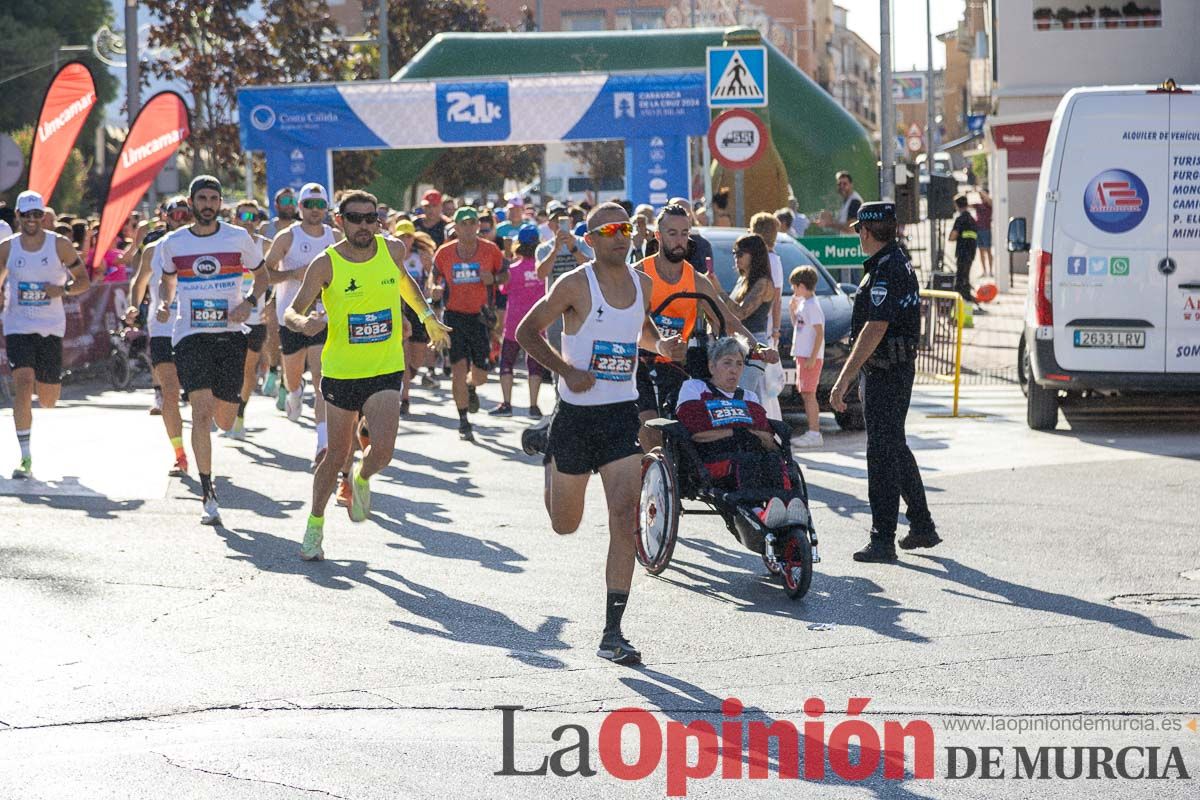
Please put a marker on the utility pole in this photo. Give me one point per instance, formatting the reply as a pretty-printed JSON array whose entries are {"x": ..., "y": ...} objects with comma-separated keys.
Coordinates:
[
  {"x": 132, "y": 78},
  {"x": 383, "y": 41},
  {"x": 887, "y": 111},
  {"x": 935, "y": 247}
]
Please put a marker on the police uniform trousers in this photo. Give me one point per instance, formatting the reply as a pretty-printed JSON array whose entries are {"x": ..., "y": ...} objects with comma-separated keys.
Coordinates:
[{"x": 891, "y": 469}]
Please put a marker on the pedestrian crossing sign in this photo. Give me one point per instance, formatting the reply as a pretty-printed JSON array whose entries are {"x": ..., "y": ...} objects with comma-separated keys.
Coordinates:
[{"x": 737, "y": 77}]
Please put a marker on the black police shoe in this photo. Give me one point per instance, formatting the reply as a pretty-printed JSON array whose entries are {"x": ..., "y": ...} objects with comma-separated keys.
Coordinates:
[
  {"x": 920, "y": 537},
  {"x": 877, "y": 551}
]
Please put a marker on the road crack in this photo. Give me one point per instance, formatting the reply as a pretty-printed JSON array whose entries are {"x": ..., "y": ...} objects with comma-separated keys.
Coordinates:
[{"x": 249, "y": 780}]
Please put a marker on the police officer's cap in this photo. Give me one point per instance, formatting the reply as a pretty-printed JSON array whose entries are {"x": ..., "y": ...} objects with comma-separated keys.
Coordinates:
[{"x": 878, "y": 211}]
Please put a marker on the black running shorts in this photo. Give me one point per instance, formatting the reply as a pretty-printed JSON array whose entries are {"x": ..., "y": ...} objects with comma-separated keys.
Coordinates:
[
  {"x": 291, "y": 342},
  {"x": 585, "y": 438},
  {"x": 351, "y": 394},
  {"x": 469, "y": 339},
  {"x": 256, "y": 337},
  {"x": 42, "y": 354},
  {"x": 161, "y": 351},
  {"x": 212, "y": 361}
]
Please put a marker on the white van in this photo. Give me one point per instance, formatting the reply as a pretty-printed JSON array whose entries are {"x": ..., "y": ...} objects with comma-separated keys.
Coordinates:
[{"x": 1114, "y": 289}]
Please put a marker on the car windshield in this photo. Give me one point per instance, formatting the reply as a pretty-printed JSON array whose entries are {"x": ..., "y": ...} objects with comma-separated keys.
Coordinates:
[{"x": 791, "y": 253}]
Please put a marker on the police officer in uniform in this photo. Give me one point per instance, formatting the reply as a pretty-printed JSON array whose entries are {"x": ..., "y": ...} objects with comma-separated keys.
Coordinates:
[{"x": 885, "y": 330}]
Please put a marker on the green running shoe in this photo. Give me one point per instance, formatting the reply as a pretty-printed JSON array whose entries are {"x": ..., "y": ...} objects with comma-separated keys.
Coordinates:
[
  {"x": 311, "y": 550},
  {"x": 25, "y": 471}
]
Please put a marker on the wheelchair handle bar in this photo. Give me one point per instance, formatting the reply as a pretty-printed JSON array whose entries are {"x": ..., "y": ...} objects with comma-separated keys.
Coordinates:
[{"x": 697, "y": 296}]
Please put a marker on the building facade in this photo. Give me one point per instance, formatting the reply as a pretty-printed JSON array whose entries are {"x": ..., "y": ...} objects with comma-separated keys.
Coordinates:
[{"x": 1038, "y": 59}]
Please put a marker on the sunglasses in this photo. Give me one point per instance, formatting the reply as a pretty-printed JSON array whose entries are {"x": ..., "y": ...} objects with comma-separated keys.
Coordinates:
[
  {"x": 179, "y": 213},
  {"x": 354, "y": 218},
  {"x": 613, "y": 229},
  {"x": 247, "y": 216},
  {"x": 315, "y": 203},
  {"x": 36, "y": 214},
  {"x": 485, "y": 231},
  {"x": 286, "y": 200}
]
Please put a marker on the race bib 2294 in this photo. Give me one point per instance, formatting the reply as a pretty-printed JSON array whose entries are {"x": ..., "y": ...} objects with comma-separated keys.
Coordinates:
[
  {"x": 370, "y": 328},
  {"x": 613, "y": 361}
]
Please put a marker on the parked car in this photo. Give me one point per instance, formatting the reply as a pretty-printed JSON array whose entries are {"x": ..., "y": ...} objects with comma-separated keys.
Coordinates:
[
  {"x": 1114, "y": 290},
  {"x": 835, "y": 301}
]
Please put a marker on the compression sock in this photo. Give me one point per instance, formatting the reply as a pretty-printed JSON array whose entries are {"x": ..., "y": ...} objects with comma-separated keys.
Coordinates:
[
  {"x": 177, "y": 443},
  {"x": 614, "y": 610},
  {"x": 462, "y": 414},
  {"x": 322, "y": 435},
  {"x": 313, "y": 519},
  {"x": 206, "y": 486},
  {"x": 23, "y": 440}
]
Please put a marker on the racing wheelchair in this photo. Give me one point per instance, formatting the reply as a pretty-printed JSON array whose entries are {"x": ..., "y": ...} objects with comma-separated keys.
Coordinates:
[{"x": 675, "y": 472}]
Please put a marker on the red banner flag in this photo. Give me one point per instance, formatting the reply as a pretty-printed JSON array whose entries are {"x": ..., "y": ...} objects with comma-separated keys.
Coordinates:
[
  {"x": 155, "y": 136},
  {"x": 69, "y": 100}
]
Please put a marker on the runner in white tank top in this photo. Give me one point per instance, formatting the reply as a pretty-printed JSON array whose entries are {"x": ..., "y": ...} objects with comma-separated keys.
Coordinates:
[
  {"x": 37, "y": 269},
  {"x": 603, "y": 306},
  {"x": 287, "y": 262}
]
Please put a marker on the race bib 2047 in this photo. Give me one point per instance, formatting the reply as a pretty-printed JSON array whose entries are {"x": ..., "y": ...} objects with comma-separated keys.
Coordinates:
[
  {"x": 210, "y": 313},
  {"x": 613, "y": 361}
]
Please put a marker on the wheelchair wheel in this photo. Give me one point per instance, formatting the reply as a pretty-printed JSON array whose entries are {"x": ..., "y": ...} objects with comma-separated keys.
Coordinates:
[
  {"x": 119, "y": 371},
  {"x": 797, "y": 564},
  {"x": 658, "y": 512}
]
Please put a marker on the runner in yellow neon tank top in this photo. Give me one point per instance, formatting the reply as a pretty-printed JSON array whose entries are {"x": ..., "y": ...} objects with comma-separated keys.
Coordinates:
[{"x": 361, "y": 281}]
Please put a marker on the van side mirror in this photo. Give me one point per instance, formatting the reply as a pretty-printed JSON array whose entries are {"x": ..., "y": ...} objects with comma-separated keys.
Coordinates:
[
  {"x": 1018, "y": 238},
  {"x": 850, "y": 289}
]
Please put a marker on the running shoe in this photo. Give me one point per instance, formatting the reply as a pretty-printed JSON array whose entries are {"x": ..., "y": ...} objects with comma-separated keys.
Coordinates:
[
  {"x": 404, "y": 407},
  {"x": 617, "y": 649},
  {"x": 212, "y": 514},
  {"x": 535, "y": 412},
  {"x": 472, "y": 400},
  {"x": 536, "y": 438},
  {"x": 797, "y": 512},
  {"x": 502, "y": 410},
  {"x": 343, "y": 491},
  {"x": 281, "y": 397},
  {"x": 238, "y": 431},
  {"x": 295, "y": 404},
  {"x": 774, "y": 513},
  {"x": 311, "y": 550},
  {"x": 360, "y": 494},
  {"x": 465, "y": 432},
  {"x": 269, "y": 383},
  {"x": 156, "y": 409},
  {"x": 428, "y": 381},
  {"x": 25, "y": 471},
  {"x": 808, "y": 439},
  {"x": 180, "y": 469},
  {"x": 318, "y": 458}
]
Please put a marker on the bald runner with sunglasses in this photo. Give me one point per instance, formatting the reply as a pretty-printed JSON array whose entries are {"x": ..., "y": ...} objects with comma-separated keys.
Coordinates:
[
  {"x": 287, "y": 260},
  {"x": 604, "y": 306},
  {"x": 37, "y": 269},
  {"x": 162, "y": 356},
  {"x": 361, "y": 281}
]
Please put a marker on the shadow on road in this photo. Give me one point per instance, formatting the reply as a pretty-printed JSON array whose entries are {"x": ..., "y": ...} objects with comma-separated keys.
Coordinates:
[
  {"x": 396, "y": 516},
  {"x": 70, "y": 495},
  {"x": 1014, "y": 594},
  {"x": 455, "y": 620},
  {"x": 738, "y": 577}
]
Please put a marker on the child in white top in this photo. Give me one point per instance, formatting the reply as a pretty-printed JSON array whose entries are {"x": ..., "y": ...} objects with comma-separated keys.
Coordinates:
[{"x": 808, "y": 348}]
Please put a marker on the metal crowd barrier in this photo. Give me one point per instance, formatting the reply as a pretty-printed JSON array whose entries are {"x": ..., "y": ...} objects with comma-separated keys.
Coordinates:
[{"x": 939, "y": 351}]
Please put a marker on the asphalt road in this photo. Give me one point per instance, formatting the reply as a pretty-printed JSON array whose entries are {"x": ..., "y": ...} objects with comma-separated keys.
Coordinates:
[{"x": 146, "y": 656}]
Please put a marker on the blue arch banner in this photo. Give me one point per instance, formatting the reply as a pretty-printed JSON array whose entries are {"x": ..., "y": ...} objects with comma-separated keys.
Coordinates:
[{"x": 296, "y": 125}]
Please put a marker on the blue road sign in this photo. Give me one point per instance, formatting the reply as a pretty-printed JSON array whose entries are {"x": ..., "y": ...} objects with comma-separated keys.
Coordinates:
[{"x": 737, "y": 77}]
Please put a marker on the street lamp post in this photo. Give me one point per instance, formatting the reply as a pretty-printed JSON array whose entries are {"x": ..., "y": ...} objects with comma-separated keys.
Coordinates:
[
  {"x": 132, "y": 78},
  {"x": 383, "y": 40},
  {"x": 887, "y": 111},
  {"x": 935, "y": 262}
]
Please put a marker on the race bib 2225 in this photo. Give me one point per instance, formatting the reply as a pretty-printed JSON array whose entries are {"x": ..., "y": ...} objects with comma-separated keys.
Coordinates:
[{"x": 613, "y": 361}]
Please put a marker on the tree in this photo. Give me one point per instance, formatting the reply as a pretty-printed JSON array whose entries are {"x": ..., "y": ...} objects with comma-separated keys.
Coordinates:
[
  {"x": 412, "y": 23},
  {"x": 291, "y": 42},
  {"x": 32, "y": 34},
  {"x": 602, "y": 160},
  {"x": 459, "y": 169},
  {"x": 68, "y": 192}
]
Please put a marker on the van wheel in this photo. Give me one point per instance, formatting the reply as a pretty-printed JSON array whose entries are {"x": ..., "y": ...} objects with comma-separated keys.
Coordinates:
[
  {"x": 1041, "y": 407},
  {"x": 1023, "y": 367}
]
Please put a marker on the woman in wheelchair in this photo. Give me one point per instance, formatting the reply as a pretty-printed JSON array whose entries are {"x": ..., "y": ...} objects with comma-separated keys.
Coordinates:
[{"x": 734, "y": 439}]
